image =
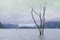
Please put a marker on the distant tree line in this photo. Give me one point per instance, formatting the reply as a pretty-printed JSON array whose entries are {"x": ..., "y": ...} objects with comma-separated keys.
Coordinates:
[{"x": 1, "y": 25}]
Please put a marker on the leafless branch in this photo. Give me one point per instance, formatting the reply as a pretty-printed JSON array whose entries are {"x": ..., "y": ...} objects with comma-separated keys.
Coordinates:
[
  {"x": 41, "y": 17},
  {"x": 33, "y": 18},
  {"x": 44, "y": 9}
]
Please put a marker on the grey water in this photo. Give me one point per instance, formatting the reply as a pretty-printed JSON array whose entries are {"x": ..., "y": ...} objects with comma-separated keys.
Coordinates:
[{"x": 29, "y": 34}]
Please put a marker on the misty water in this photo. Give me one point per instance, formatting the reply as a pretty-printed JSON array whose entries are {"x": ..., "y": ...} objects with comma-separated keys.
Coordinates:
[{"x": 29, "y": 34}]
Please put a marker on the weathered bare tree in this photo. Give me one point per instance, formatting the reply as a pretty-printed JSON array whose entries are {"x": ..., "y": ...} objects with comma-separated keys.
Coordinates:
[{"x": 41, "y": 17}]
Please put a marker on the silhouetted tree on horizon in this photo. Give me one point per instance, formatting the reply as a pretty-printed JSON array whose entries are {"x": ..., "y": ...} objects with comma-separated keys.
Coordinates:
[{"x": 1, "y": 25}]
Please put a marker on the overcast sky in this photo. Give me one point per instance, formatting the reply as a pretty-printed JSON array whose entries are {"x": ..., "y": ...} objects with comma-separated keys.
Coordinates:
[{"x": 19, "y": 11}]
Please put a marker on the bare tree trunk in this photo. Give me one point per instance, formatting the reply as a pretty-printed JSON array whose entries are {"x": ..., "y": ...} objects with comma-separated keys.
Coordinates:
[{"x": 42, "y": 20}]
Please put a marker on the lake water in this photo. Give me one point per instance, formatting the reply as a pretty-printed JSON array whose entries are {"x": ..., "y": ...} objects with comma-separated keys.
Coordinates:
[{"x": 29, "y": 34}]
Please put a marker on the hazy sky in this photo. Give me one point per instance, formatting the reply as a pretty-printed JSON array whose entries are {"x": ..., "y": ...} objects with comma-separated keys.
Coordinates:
[{"x": 19, "y": 11}]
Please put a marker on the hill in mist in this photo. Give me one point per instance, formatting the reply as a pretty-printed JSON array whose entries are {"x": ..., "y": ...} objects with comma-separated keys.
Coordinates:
[{"x": 47, "y": 25}]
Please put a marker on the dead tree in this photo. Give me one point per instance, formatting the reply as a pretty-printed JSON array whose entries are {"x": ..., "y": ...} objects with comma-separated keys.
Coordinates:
[{"x": 42, "y": 19}]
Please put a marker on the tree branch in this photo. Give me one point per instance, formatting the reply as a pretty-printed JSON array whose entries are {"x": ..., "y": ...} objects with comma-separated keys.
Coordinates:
[
  {"x": 34, "y": 19},
  {"x": 35, "y": 12}
]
